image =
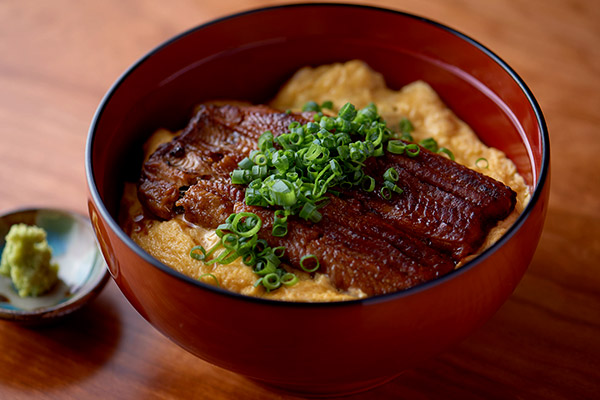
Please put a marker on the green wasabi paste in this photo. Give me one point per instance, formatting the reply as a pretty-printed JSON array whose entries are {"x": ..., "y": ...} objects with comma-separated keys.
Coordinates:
[{"x": 26, "y": 259}]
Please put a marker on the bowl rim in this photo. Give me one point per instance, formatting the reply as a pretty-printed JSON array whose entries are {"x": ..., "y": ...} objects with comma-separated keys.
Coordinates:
[{"x": 535, "y": 197}]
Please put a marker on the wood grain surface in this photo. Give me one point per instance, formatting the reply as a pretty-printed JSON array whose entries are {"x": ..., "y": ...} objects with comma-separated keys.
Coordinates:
[{"x": 58, "y": 58}]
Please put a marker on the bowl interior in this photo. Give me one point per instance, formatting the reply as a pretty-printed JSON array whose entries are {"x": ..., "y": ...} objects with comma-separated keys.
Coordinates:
[{"x": 250, "y": 55}]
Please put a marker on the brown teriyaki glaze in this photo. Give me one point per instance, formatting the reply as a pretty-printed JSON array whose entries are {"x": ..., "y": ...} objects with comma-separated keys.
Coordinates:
[{"x": 363, "y": 241}]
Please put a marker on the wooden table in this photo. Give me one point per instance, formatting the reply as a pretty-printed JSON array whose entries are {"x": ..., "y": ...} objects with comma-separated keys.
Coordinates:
[{"x": 58, "y": 58}]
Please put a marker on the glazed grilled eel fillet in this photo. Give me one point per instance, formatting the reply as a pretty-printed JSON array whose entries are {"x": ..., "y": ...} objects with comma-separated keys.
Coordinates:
[{"x": 363, "y": 241}]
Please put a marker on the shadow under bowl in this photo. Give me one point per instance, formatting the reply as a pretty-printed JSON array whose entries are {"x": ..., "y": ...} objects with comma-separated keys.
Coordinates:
[{"x": 317, "y": 348}]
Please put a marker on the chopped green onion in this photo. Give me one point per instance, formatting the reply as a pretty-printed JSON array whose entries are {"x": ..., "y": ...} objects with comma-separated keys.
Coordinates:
[
  {"x": 368, "y": 183},
  {"x": 407, "y": 137},
  {"x": 314, "y": 153},
  {"x": 367, "y": 115},
  {"x": 347, "y": 112},
  {"x": 271, "y": 281},
  {"x": 482, "y": 163},
  {"x": 265, "y": 141},
  {"x": 396, "y": 146},
  {"x": 298, "y": 170},
  {"x": 312, "y": 127},
  {"x": 230, "y": 241},
  {"x": 261, "y": 246},
  {"x": 246, "y": 244},
  {"x": 238, "y": 238},
  {"x": 250, "y": 226},
  {"x": 311, "y": 106},
  {"x": 309, "y": 212},
  {"x": 260, "y": 159},
  {"x": 280, "y": 217},
  {"x": 240, "y": 176},
  {"x": 249, "y": 258},
  {"x": 246, "y": 163},
  {"x": 385, "y": 192},
  {"x": 391, "y": 175},
  {"x": 309, "y": 258},
  {"x": 211, "y": 276},
  {"x": 281, "y": 161},
  {"x": 342, "y": 125},
  {"x": 378, "y": 151},
  {"x": 447, "y": 152},
  {"x": 335, "y": 167},
  {"x": 406, "y": 126},
  {"x": 226, "y": 257},
  {"x": 392, "y": 187},
  {"x": 194, "y": 253},
  {"x": 278, "y": 251},
  {"x": 430, "y": 144},
  {"x": 328, "y": 104},
  {"x": 289, "y": 279},
  {"x": 270, "y": 257},
  {"x": 279, "y": 230},
  {"x": 258, "y": 171},
  {"x": 262, "y": 268},
  {"x": 412, "y": 150},
  {"x": 282, "y": 192}
]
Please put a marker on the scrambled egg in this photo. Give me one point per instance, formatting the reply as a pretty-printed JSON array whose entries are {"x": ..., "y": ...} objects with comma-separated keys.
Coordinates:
[{"x": 353, "y": 82}]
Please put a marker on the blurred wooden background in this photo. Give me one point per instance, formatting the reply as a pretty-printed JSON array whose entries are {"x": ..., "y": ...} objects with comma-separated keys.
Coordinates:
[{"x": 58, "y": 58}]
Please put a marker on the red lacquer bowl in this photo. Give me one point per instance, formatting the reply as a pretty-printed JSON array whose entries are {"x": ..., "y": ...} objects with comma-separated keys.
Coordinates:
[{"x": 317, "y": 349}]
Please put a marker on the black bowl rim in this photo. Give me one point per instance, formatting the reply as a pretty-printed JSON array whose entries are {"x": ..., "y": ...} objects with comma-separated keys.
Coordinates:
[{"x": 543, "y": 175}]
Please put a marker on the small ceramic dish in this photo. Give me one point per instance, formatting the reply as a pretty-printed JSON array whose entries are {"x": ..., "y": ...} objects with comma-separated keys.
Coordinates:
[{"x": 82, "y": 271}]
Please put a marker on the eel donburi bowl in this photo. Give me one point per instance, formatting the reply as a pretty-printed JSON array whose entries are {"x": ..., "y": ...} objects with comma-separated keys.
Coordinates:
[{"x": 314, "y": 348}]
